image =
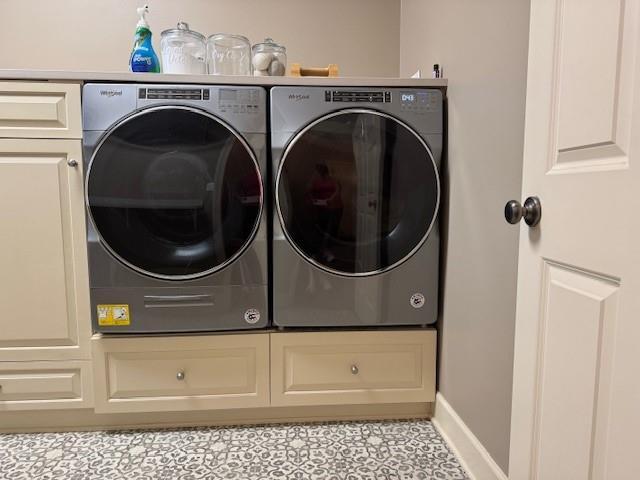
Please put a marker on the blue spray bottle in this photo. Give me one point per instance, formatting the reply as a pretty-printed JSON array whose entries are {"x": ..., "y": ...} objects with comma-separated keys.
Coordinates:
[{"x": 143, "y": 58}]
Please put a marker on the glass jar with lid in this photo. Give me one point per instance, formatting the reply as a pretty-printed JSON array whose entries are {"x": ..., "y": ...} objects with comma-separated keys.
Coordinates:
[
  {"x": 183, "y": 50},
  {"x": 229, "y": 54},
  {"x": 269, "y": 59}
]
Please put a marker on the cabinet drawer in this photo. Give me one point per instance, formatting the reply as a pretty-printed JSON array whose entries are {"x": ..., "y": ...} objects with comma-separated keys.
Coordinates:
[
  {"x": 353, "y": 367},
  {"x": 45, "y": 385},
  {"x": 181, "y": 373},
  {"x": 40, "y": 110}
]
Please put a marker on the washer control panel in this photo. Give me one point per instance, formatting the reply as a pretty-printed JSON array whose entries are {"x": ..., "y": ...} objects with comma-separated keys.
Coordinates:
[
  {"x": 174, "y": 93},
  {"x": 229, "y": 100},
  {"x": 418, "y": 101},
  {"x": 243, "y": 100}
]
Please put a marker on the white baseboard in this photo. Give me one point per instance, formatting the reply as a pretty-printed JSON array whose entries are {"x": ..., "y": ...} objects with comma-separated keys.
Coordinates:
[{"x": 472, "y": 455}]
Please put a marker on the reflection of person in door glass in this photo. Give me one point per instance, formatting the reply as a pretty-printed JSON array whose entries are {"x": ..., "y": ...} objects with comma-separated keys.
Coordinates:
[
  {"x": 326, "y": 201},
  {"x": 249, "y": 194}
]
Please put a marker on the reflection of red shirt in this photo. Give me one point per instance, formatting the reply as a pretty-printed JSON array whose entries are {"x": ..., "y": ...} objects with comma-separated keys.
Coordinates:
[
  {"x": 250, "y": 189},
  {"x": 325, "y": 192}
]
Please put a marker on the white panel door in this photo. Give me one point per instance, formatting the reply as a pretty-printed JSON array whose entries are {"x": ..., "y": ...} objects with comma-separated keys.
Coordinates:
[{"x": 577, "y": 350}]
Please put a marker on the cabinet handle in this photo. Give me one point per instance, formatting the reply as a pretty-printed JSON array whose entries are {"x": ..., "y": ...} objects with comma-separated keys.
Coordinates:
[
  {"x": 180, "y": 375},
  {"x": 354, "y": 369},
  {"x": 72, "y": 163}
]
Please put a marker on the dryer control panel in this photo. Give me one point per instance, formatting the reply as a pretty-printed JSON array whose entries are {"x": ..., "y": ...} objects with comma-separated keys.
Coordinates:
[
  {"x": 293, "y": 108},
  {"x": 357, "y": 96},
  {"x": 414, "y": 101},
  {"x": 418, "y": 101}
]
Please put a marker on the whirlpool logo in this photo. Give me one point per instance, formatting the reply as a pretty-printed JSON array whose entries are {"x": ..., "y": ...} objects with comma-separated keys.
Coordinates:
[
  {"x": 111, "y": 93},
  {"x": 296, "y": 97}
]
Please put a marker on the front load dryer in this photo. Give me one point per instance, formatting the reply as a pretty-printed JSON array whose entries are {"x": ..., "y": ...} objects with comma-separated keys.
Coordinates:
[
  {"x": 175, "y": 194},
  {"x": 357, "y": 192}
]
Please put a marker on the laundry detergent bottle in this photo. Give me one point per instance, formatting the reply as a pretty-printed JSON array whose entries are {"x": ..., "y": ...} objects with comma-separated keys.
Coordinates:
[{"x": 143, "y": 58}]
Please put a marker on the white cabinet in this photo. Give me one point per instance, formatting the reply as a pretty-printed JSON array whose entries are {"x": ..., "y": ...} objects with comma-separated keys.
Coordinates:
[
  {"x": 134, "y": 374},
  {"x": 45, "y": 323},
  {"x": 328, "y": 368},
  {"x": 228, "y": 371}
]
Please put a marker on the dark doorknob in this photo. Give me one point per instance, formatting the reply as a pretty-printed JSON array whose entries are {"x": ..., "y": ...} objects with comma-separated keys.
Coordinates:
[{"x": 531, "y": 211}]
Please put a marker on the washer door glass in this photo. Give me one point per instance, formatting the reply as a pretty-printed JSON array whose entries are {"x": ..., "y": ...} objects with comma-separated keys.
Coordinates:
[
  {"x": 174, "y": 193},
  {"x": 357, "y": 192}
]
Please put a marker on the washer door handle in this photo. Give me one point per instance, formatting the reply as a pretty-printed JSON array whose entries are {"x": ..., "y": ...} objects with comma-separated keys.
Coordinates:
[
  {"x": 176, "y": 298},
  {"x": 162, "y": 301}
]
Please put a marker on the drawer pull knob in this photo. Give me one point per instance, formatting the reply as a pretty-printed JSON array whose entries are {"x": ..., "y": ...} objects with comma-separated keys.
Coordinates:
[
  {"x": 180, "y": 375},
  {"x": 72, "y": 163},
  {"x": 354, "y": 369}
]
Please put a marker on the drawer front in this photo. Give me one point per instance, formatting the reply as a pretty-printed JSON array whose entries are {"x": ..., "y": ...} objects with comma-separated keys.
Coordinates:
[
  {"x": 45, "y": 385},
  {"x": 40, "y": 110},
  {"x": 181, "y": 373},
  {"x": 353, "y": 367}
]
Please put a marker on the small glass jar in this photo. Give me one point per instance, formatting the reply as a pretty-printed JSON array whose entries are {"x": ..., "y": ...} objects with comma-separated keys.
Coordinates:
[
  {"x": 229, "y": 54},
  {"x": 269, "y": 59},
  {"x": 183, "y": 50}
]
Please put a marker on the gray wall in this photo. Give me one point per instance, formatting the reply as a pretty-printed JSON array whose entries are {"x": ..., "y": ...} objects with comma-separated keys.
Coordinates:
[
  {"x": 482, "y": 46},
  {"x": 361, "y": 36}
]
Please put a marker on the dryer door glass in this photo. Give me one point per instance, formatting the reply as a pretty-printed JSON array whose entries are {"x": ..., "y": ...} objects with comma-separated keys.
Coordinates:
[
  {"x": 174, "y": 193},
  {"x": 357, "y": 192}
]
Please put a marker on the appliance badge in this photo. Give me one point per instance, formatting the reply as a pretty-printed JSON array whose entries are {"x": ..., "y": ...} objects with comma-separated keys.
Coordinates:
[
  {"x": 298, "y": 96},
  {"x": 252, "y": 316},
  {"x": 417, "y": 300},
  {"x": 112, "y": 92}
]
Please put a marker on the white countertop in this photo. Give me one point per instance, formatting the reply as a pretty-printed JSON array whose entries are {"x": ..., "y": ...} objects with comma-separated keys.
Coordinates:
[{"x": 69, "y": 75}]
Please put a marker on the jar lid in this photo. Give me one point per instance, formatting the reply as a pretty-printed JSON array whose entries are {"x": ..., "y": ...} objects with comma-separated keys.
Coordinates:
[
  {"x": 234, "y": 39},
  {"x": 183, "y": 29},
  {"x": 269, "y": 44}
]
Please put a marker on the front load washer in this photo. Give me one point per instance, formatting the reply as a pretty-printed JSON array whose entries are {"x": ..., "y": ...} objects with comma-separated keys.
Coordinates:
[
  {"x": 174, "y": 190},
  {"x": 357, "y": 192}
]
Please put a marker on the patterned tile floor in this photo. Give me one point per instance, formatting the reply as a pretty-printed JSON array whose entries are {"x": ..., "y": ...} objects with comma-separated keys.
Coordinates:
[{"x": 392, "y": 450}]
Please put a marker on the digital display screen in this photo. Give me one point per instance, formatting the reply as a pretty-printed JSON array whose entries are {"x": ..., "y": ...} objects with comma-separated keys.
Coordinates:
[{"x": 408, "y": 97}]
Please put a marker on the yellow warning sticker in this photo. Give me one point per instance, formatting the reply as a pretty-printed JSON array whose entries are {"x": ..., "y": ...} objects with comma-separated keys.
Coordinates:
[{"x": 113, "y": 315}]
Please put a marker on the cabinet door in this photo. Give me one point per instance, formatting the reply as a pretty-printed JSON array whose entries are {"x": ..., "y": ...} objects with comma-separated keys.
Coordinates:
[{"x": 43, "y": 276}]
